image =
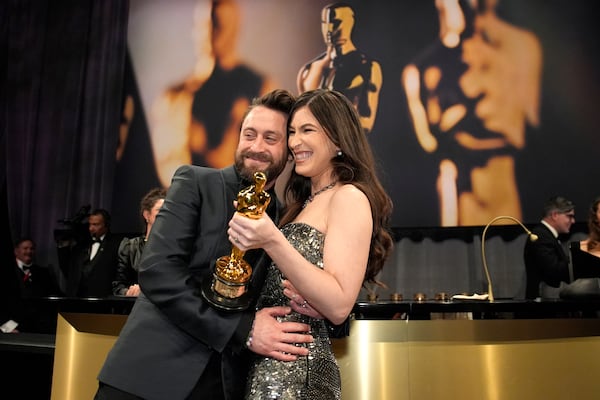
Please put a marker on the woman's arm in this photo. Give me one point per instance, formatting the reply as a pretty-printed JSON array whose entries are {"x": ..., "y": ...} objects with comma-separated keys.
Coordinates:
[{"x": 333, "y": 290}]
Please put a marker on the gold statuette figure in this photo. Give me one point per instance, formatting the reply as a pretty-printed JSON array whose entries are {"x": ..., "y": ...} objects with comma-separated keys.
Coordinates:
[{"x": 232, "y": 273}]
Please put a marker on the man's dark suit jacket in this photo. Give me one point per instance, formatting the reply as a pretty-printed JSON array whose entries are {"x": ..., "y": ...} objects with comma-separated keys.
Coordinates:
[
  {"x": 41, "y": 282},
  {"x": 93, "y": 278},
  {"x": 27, "y": 312},
  {"x": 171, "y": 331},
  {"x": 545, "y": 261}
]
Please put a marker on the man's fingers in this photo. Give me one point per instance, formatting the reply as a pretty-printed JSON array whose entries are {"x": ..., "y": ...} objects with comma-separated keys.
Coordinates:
[
  {"x": 283, "y": 341},
  {"x": 296, "y": 328},
  {"x": 299, "y": 338},
  {"x": 276, "y": 311}
]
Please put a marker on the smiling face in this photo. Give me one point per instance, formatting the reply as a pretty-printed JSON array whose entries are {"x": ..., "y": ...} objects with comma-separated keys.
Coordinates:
[
  {"x": 25, "y": 251},
  {"x": 311, "y": 147},
  {"x": 562, "y": 221},
  {"x": 262, "y": 145}
]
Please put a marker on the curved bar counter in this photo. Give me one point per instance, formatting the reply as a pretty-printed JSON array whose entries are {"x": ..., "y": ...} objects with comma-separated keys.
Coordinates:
[
  {"x": 472, "y": 350},
  {"x": 396, "y": 349}
]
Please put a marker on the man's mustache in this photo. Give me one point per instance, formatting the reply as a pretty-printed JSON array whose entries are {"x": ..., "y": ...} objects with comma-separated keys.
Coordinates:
[{"x": 258, "y": 156}]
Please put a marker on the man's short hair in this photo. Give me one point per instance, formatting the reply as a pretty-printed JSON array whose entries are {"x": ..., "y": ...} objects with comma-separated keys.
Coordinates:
[
  {"x": 559, "y": 204},
  {"x": 105, "y": 215}
]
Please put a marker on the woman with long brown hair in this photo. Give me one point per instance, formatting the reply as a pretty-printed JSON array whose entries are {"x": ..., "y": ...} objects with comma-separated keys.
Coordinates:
[{"x": 332, "y": 238}]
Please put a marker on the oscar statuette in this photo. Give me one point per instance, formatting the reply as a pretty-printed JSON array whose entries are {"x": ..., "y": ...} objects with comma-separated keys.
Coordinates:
[{"x": 228, "y": 289}]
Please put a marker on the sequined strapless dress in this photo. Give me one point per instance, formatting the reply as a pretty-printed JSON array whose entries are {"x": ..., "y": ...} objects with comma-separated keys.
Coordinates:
[{"x": 315, "y": 376}]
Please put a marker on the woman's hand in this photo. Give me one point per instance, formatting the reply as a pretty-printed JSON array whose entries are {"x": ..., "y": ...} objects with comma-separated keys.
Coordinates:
[
  {"x": 133, "y": 291},
  {"x": 251, "y": 233},
  {"x": 299, "y": 303}
]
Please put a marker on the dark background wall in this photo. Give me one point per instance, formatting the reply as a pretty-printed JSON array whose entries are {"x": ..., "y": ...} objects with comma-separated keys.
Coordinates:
[
  {"x": 66, "y": 69},
  {"x": 560, "y": 156}
]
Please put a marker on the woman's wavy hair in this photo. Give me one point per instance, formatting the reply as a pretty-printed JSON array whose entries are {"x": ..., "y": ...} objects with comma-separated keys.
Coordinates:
[
  {"x": 594, "y": 225},
  {"x": 356, "y": 165}
]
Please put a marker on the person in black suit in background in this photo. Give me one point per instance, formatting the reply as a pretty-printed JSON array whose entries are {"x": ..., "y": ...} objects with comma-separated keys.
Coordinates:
[
  {"x": 30, "y": 281},
  {"x": 34, "y": 280},
  {"x": 28, "y": 373},
  {"x": 546, "y": 262},
  {"x": 94, "y": 262}
]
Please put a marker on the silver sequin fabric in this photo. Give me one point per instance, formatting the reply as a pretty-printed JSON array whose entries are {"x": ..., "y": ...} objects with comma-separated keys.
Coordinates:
[{"x": 315, "y": 376}]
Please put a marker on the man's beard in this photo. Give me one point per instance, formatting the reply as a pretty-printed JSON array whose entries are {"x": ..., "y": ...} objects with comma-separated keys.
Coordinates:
[{"x": 272, "y": 171}]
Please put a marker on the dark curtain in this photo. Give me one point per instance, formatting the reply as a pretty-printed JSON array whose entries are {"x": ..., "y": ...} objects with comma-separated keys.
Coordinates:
[{"x": 61, "y": 90}]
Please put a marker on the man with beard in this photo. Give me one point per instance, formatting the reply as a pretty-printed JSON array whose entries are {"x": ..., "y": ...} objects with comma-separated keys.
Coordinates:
[{"x": 175, "y": 344}]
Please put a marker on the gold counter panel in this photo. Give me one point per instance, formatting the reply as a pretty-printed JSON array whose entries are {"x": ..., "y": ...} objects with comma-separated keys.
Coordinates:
[
  {"x": 465, "y": 359},
  {"x": 399, "y": 359},
  {"x": 82, "y": 343}
]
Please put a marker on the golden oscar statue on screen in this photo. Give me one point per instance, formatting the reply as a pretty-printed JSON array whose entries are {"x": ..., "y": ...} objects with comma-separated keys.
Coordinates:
[{"x": 229, "y": 286}]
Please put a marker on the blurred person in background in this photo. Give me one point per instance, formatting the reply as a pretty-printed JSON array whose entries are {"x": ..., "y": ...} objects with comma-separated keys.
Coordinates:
[{"x": 130, "y": 249}]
